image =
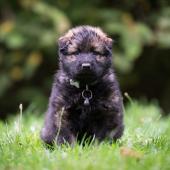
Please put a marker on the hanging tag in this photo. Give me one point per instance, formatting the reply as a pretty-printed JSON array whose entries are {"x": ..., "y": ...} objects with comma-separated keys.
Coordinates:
[
  {"x": 87, "y": 96},
  {"x": 86, "y": 102}
]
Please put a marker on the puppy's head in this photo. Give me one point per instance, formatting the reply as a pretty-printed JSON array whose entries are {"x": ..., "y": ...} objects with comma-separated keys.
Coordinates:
[{"x": 85, "y": 53}]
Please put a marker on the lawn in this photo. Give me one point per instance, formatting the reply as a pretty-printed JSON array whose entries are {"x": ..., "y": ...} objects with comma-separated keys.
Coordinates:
[{"x": 145, "y": 144}]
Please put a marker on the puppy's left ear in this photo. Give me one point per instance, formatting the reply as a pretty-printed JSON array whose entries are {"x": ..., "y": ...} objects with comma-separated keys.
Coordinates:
[{"x": 109, "y": 42}]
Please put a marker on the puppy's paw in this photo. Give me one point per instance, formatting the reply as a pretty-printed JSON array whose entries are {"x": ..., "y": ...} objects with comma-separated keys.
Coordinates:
[
  {"x": 47, "y": 136},
  {"x": 66, "y": 138}
]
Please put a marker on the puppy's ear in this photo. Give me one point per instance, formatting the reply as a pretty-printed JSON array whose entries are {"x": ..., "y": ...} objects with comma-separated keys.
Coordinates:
[
  {"x": 109, "y": 42},
  {"x": 65, "y": 40},
  {"x": 62, "y": 42}
]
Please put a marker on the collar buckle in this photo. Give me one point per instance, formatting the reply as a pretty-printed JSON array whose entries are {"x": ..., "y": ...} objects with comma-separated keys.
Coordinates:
[{"x": 74, "y": 83}]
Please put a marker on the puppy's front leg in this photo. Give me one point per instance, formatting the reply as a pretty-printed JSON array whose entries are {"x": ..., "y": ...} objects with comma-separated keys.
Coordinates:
[
  {"x": 49, "y": 130},
  {"x": 111, "y": 128},
  {"x": 64, "y": 133},
  {"x": 56, "y": 126}
]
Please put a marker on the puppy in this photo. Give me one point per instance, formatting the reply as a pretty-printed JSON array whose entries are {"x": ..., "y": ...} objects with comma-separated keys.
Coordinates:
[{"x": 85, "y": 98}]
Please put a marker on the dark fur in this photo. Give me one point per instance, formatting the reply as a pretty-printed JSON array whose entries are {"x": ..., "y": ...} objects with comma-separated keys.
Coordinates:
[{"x": 104, "y": 117}]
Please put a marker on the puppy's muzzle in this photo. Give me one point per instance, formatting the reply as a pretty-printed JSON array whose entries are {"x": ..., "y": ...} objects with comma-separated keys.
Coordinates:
[{"x": 86, "y": 66}]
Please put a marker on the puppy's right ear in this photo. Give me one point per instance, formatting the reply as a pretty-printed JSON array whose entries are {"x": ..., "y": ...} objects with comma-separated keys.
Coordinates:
[
  {"x": 63, "y": 43},
  {"x": 65, "y": 40}
]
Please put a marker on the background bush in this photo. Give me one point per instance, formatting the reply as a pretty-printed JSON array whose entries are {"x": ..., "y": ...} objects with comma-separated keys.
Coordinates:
[{"x": 28, "y": 51}]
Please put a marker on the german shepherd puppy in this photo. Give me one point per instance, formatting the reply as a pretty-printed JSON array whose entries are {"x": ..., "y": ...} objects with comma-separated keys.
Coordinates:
[{"x": 85, "y": 97}]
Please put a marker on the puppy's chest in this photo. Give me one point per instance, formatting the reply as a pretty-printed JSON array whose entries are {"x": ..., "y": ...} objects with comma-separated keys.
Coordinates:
[
  {"x": 89, "y": 97},
  {"x": 83, "y": 108},
  {"x": 88, "y": 104},
  {"x": 83, "y": 116},
  {"x": 84, "y": 105}
]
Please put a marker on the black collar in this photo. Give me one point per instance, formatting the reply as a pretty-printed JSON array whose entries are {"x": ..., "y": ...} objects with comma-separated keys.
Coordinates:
[{"x": 77, "y": 83}]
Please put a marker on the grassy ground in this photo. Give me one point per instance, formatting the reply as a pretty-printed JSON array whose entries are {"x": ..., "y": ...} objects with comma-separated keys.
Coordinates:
[{"x": 145, "y": 145}]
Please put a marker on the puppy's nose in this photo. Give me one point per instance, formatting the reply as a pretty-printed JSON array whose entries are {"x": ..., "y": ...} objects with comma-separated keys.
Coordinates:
[{"x": 86, "y": 66}]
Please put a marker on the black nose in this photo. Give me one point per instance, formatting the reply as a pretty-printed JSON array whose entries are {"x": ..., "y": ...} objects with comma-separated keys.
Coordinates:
[{"x": 86, "y": 66}]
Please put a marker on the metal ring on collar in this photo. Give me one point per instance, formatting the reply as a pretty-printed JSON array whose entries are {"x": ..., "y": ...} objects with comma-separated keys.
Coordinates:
[{"x": 85, "y": 96}]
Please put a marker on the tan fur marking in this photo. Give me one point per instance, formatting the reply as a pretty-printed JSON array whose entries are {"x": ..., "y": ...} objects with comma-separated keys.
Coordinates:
[
  {"x": 69, "y": 34},
  {"x": 100, "y": 35},
  {"x": 70, "y": 58},
  {"x": 100, "y": 58},
  {"x": 116, "y": 99},
  {"x": 99, "y": 32},
  {"x": 111, "y": 77},
  {"x": 99, "y": 48},
  {"x": 72, "y": 48}
]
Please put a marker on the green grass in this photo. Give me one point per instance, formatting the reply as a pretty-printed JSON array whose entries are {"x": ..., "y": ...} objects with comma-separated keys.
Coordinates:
[{"x": 145, "y": 145}]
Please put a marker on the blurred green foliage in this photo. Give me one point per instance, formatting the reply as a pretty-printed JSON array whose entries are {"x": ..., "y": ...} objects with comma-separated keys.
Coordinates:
[{"x": 29, "y": 30}]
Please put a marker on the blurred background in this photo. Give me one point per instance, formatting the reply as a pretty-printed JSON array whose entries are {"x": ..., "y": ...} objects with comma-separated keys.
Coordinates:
[{"x": 28, "y": 46}]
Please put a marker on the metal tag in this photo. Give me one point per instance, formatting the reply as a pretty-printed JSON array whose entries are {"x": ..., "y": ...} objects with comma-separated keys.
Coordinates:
[{"x": 86, "y": 102}]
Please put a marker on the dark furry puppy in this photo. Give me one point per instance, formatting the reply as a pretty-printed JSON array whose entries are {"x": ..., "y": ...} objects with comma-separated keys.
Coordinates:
[{"x": 85, "y": 97}]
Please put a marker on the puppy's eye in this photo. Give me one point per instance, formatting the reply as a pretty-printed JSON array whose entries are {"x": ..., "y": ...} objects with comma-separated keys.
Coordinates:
[
  {"x": 63, "y": 51},
  {"x": 70, "y": 58},
  {"x": 100, "y": 58},
  {"x": 76, "y": 52},
  {"x": 106, "y": 53},
  {"x": 96, "y": 53}
]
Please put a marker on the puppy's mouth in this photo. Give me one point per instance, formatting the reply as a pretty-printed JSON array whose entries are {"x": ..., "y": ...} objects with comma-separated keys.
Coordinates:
[{"x": 86, "y": 76}]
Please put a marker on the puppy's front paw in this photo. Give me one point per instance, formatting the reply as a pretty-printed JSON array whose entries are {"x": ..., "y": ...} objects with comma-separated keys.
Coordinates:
[
  {"x": 65, "y": 138},
  {"x": 47, "y": 135}
]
